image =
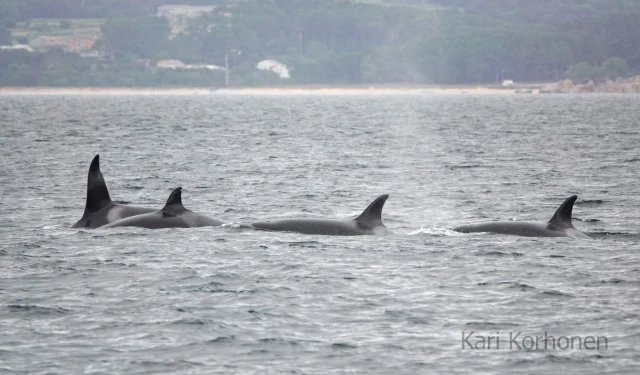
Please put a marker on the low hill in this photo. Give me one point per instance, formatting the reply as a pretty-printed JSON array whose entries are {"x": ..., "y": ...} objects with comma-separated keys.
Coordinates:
[{"x": 321, "y": 41}]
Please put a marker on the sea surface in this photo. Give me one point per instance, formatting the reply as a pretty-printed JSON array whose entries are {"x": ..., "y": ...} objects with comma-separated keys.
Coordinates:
[{"x": 240, "y": 301}]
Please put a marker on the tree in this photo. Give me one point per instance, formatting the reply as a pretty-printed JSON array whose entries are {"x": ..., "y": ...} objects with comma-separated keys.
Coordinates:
[
  {"x": 10, "y": 12},
  {"x": 65, "y": 24},
  {"x": 582, "y": 72},
  {"x": 5, "y": 35},
  {"x": 615, "y": 67},
  {"x": 144, "y": 36}
]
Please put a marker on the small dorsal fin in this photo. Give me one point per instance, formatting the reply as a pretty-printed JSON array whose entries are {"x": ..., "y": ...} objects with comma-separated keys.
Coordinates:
[
  {"x": 174, "y": 203},
  {"x": 562, "y": 217},
  {"x": 372, "y": 215},
  {"x": 97, "y": 192}
]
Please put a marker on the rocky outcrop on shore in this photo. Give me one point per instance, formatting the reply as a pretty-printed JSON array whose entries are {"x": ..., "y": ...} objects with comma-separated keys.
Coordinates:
[{"x": 629, "y": 85}]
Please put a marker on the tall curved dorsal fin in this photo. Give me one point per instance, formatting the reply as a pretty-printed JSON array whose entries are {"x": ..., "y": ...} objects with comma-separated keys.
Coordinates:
[
  {"x": 97, "y": 192},
  {"x": 562, "y": 217},
  {"x": 373, "y": 214},
  {"x": 174, "y": 203}
]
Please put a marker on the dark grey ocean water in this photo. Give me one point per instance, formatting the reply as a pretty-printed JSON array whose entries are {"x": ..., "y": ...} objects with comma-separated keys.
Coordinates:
[{"x": 234, "y": 300}]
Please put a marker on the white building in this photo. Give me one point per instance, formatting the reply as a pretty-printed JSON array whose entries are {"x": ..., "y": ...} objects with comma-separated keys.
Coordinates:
[
  {"x": 507, "y": 83},
  {"x": 17, "y": 47}
]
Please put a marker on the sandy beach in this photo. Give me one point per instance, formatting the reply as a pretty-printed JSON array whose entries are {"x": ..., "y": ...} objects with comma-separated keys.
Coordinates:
[{"x": 293, "y": 90}]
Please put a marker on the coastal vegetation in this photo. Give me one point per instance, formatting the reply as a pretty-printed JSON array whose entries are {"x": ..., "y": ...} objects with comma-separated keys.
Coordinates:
[{"x": 120, "y": 42}]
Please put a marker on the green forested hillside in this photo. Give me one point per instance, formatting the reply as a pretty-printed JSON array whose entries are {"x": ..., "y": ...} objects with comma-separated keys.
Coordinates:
[{"x": 324, "y": 41}]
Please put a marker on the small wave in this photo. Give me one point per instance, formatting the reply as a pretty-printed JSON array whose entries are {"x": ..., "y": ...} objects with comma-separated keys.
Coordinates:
[
  {"x": 509, "y": 285},
  {"x": 437, "y": 231},
  {"x": 625, "y": 133},
  {"x": 466, "y": 166},
  {"x": 565, "y": 359},
  {"x": 521, "y": 286},
  {"x": 190, "y": 321},
  {"x": 38, "y": 310},
  {"x": 225, "y": 291},
  {"x": 278, "y": 340},
  {"x": 491, "y": 253},
  {"x": 289, "y": 267},
  {"x": 212, "y": 284},
  {"x": 555, "y": 293},
  {"x": 166, "y": 365},
  {"x": 522, "y": 362},
  {"x": 236, "y": 226},
  {"x": 489, "y": 325},
  {"x": 310, "y": 244},
  {"x": 613, "y": 235},
  {"x": 31, "y": 245},
  {"x": 216, "y": 287},
  {"x": 496, "y": 253},
  {"x": 124, "y": 232},
  {"x": 396, "y": 313},
  {"x": 633, "y": 336},
  {"x": 607, "y": 281},
  {"x": 306, "y": 196},
  {"x": 343, "y": 345},
  {"x": 586, "y": 220},
  {"x": 221, "y": 340},
  {"x": 590, "y": 202}
]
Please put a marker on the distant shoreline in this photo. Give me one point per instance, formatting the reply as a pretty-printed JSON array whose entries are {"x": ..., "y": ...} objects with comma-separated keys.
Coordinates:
[
  {"x": 288, "y": 90},
  {"x": 626, "y": 86}
]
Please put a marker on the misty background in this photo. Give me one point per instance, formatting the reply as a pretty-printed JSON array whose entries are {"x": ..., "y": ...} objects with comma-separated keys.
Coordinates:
[{"x": 291, "y": 42}]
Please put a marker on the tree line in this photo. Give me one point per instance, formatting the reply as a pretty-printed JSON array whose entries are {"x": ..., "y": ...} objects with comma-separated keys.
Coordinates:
[{"x": 339, "y": 41}]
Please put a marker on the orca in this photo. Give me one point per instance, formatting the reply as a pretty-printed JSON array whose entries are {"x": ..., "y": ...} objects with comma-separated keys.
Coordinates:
[
  {"x": 99, "y": 209},
  {"x": 368, "y": 223},
  {"x": 559, "y": 225},
  {"x": 172, "y": 215}
]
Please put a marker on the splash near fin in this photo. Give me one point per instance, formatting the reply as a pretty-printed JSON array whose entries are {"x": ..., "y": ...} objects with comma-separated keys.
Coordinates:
[
  {"x": 372, "y": 215},
  {"x": 562, "y": 218},
  {"x": 174, "y": 204},
  {"x": 97, "y": 192}
]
